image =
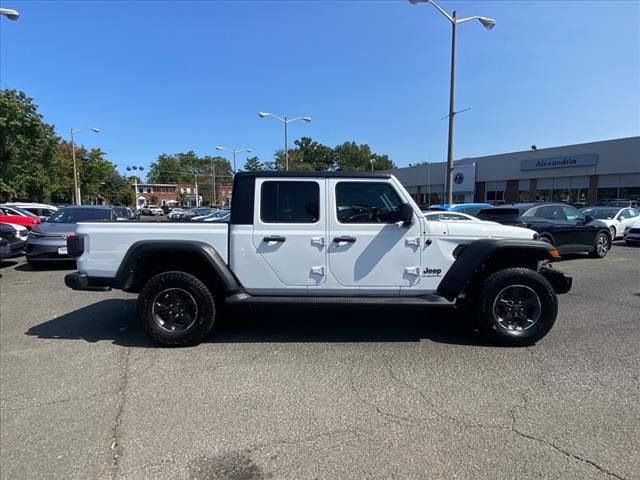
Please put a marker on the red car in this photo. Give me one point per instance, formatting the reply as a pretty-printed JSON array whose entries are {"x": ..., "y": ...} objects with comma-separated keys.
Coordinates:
[{"x": 24, "y": 220}]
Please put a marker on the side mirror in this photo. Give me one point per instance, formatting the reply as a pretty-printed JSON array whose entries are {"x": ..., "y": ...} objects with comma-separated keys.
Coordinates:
[
  {"x": 588, "y": 219},
  {"x": 406, "y": 214}
]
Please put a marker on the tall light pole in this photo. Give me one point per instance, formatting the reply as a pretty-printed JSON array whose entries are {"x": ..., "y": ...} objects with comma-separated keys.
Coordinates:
[
  {"x": 234, "y": 151},
  {"x": 10, "y": 13},
  {"x": 75, "y": 168},
  {"x": 286, "y": 121},
  {"x": 487, "y": 23},
  {"x": 135, "y": 180}
]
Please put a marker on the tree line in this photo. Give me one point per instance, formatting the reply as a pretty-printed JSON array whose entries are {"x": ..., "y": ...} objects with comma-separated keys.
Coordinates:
[{"x": 36, "y": 164}]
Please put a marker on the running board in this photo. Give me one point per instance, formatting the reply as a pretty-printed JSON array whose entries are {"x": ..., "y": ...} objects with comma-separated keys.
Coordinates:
[{"x": 425, "y": 300}]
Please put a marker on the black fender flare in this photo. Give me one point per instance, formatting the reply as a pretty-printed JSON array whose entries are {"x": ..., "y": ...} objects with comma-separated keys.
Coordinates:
[
  {"x": 478, "y": 253},
  {"x": 126, "y": 275}
]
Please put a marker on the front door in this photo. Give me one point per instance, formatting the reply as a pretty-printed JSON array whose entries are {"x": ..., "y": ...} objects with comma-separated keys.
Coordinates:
[
  {"x": 289, "y": 230},
  {"x": 368, "y": 246}
]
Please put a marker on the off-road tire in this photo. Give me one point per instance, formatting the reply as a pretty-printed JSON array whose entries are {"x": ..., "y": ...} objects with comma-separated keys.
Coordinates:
[
  {"x": 487, "y": 298},
  {"x": 612, "y": 231},
  {"x": 600, "y": 251},
  {"x": 195, "y": 289}
]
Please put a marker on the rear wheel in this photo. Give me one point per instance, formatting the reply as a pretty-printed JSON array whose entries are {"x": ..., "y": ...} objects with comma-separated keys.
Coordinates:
[
  {"x": 176, "y": 309},
  {"x": 601, "y": 246},
  {"x": 516, "y": 307}
]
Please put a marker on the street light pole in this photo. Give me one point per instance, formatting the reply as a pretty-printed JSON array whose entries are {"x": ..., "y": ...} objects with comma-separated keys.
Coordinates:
[
  {"x": 233, "y": 151},
  {"x": 452, "y": 90},
  {"x": 76, "y": 173},
  {"x": 286, "y": 121},
  {"x": 487, "y": 23}
]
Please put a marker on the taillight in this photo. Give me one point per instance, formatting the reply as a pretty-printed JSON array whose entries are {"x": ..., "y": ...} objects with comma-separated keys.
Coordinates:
[{"x": 75, "y": 245}]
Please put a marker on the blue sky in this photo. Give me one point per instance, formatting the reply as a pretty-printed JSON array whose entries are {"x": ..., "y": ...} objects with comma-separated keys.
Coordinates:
[{"x": 173, "y": 76}]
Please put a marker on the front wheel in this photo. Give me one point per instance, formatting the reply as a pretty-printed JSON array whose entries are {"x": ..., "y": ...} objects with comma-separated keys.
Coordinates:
[
  {"x": 601, "y": 246},
  {"x": 176, "y": 309},
  {"x": 516, "y": 307},
  {"x": 612, "y": 231}
]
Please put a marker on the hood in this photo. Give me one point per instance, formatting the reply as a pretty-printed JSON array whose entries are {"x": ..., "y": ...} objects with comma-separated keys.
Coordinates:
[
  {"x": 487, "y": 230},
  {"x": 55, "y": 229}
]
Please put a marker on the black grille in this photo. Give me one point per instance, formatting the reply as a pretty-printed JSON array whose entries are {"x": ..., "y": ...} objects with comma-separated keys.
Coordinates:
[{"x": 634, "y": 230}]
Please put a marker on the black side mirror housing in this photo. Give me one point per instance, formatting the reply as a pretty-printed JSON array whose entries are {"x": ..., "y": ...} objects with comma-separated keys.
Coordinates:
[
  {"x": 588, "y": 219},
  {"x": 406, "y": 214}
]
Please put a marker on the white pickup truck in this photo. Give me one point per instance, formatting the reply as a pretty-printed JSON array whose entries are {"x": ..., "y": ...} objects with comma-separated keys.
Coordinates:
[{"x": 321, "y": 237}]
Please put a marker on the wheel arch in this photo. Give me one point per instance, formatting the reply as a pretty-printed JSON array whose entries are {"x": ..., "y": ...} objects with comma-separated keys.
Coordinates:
[
  {"x": 483, "y": 257},
  {"x": 145, "y": 259}
]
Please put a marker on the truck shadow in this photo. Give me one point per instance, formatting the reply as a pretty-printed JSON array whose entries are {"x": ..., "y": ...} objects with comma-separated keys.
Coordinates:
[{"x": 115, "y": 320}]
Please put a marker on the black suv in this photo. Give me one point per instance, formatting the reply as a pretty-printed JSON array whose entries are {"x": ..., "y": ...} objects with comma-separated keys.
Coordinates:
[{"x": 559, "y": 224}]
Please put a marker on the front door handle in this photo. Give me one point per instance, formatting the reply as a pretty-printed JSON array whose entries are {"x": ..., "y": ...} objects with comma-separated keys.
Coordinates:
[
  {"x": 344, "y": 239},
  {"x": 274, "y": 238}
]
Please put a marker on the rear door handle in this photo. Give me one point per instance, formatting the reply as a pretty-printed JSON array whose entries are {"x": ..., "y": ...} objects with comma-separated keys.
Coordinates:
[
  {"x": 344, "y": 239},
  {"x": 274, "y": 238}
]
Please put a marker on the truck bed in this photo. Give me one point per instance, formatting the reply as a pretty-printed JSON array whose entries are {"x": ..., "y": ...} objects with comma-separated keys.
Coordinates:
[{"x": 108, "y": 242}]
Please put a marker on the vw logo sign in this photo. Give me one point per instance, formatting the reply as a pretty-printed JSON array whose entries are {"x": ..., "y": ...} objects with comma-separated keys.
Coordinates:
[{"x": 458, "y": 178}]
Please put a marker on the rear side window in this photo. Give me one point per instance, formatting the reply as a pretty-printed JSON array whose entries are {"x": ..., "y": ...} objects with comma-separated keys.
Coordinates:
[
  {"x": 290, "y": 202},
  {"x": 367, "y": 202}
]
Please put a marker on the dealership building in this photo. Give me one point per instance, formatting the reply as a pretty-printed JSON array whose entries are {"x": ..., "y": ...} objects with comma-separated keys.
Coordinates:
[{"x": 586, "y": 172}]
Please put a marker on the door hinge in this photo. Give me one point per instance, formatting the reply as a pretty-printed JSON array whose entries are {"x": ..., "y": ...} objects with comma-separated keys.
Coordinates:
[
  {"x": 412, "y": 271},
  {"x": 318, "y": 270},
  {"x": 413, "y": 241},
  {"x": 317, "y": 241}
]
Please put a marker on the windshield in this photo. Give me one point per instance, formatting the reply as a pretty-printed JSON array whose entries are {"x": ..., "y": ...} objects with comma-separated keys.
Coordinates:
[
  {"x": 601, "y": 213},
  {"x": 74, "y": 215}
]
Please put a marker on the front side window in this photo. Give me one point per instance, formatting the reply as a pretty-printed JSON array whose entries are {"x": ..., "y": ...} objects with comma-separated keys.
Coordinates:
[
  {"x": 367, "y": 202},
  {"x": 290, "y": 202}
]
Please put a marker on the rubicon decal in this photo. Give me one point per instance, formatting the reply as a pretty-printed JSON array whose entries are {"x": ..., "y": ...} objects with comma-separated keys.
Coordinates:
[{"x": 431, "y": 272}]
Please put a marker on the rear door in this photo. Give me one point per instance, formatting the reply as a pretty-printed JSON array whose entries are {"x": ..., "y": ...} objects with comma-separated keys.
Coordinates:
[
  {"x": 289, "y": 229},
  {"x": 368, "y": 247}
]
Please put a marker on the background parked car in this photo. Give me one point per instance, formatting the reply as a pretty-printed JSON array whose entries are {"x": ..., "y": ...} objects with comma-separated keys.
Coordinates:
[
  {"x": 151, "y": 210},
  {"x": 219, "y": 216},
  {"x": 624, "y": 203},
  {"x": 48, "y": 241},
  {"x": 468, "y": 208},
  {"x": 559, "y": 224},
  {"x": 41, "y": 210},
  {"x": 196, "y": 212},
  {"x": 14, "y": 215},
  {"x": 615, "y": 218},
  {"x": 16, "y": 235},
  {"x": 5, "y": 249},
  {"x": 632, "y": 233},
  {"x": 132, "y": 213}
]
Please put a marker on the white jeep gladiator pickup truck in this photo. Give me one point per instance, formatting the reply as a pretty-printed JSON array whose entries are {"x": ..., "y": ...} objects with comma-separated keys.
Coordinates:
[{"x": 321, "y": 237}]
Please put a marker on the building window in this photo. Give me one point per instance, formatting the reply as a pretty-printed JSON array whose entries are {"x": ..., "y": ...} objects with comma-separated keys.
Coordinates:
[
  {"x": 140, "y": 190},
  {"x": 495, "y": 191},
  {"x": 149, "y": 190}
]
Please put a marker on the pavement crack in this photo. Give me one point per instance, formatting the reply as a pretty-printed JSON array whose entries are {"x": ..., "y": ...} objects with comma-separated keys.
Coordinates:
[
  {"x": 57, "y": 402},
  {"x": 557, "y": 448},
  {"x": 116, "y": 448}
]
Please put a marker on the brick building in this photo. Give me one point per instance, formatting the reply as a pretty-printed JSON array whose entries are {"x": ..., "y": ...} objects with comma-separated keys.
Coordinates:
[{"x": 179, "y": 194}]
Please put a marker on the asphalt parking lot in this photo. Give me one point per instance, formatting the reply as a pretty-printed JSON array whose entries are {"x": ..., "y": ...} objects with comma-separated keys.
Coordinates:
[{"x": 329, "y": 393}]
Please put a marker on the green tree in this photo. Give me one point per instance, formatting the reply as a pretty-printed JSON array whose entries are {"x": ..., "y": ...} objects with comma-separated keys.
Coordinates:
[
  {"x": 351, "y": 157},
  {"x": 309, "y": 155},
  {"x": 253, "y": 165},
  {"x": 27, "y": 149}
]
